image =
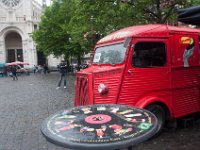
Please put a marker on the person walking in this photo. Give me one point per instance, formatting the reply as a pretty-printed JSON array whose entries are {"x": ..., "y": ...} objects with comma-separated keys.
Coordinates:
[
  {"x": 63, "y": 72},
  {"x": 46, "y": 69},
  {"x": 14, "y": 72},
  {"x": 34, "y": 69},
  {"x": 40, "y": 69}
]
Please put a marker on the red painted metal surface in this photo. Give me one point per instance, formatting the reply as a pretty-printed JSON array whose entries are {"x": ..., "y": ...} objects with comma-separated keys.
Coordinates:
[
  {"x": 112, "y": 79},
  {"x": 152, "y": 30},
  {"x": 174, "y": 85},
  {"x": 81, "y": 90}
]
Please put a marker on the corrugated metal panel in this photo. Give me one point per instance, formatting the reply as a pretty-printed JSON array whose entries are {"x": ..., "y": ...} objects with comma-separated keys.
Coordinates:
[
  {"x": 185, "y": 101},
  {"x": 81, "y": 97},
  {"x": 185, "y": 92},
  {"x": 143, "y": 81},
  {"x": 112, "y": 81}
]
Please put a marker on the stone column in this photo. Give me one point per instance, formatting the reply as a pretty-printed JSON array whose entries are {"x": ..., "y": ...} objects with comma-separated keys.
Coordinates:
[
  {"x": 2, "y": 52},
  {"x": 29, "y": 52},
  {"x": 33, "y": 55},
  {"x": 25, "y": 50}
]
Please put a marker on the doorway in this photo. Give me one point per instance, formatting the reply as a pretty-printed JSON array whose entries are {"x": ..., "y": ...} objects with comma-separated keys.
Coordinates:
[
  {"x": 13, "y": 43},
  {"x": 14, "y": 55},
  {"x": 41, "y": 58}
]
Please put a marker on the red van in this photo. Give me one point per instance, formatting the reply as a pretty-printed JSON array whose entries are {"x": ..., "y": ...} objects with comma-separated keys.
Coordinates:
[{"x": 156, "y": 67}]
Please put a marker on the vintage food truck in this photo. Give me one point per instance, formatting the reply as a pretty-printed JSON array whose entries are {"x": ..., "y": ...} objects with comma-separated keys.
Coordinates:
[{"x": 156, "y": 67}]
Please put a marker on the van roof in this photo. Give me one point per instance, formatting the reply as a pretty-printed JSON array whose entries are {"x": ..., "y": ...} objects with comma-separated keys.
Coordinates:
[{"x": 150, "y": 30}]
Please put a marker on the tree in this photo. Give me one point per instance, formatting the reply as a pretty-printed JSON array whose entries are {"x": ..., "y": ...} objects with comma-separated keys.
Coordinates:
[
  {"x": 52, "y": 37},
  {"x": 158, "y": 11},
  {"x": 90, "y": 21},
  {"x": 72, "y": 27},
  {"x": 94, "y": 19},
  {"x": 195, "y": 2}
]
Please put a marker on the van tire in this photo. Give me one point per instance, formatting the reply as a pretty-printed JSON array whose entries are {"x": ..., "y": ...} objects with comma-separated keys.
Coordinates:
[{"x": 160, "y": 113}]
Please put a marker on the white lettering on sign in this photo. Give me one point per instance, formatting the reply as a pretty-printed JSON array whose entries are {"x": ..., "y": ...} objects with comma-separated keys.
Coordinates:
[
  {"x": 115, "y": 36},
  {"x": 107, "y": 38},
  {"x": 120, "y": 35}
]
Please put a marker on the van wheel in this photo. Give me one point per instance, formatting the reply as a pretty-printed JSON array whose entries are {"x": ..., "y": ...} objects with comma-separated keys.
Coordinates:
[{"x": 159, "y": 112}]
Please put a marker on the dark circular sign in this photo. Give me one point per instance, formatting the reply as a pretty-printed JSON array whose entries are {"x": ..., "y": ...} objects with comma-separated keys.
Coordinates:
[{"x": 99, "y": 126}]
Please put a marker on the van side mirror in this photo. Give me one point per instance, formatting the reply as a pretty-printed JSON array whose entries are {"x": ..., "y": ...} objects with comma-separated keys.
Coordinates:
[{"x": 127, "y": 42}]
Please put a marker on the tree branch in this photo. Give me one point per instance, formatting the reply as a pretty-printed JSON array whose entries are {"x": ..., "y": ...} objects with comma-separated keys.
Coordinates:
[{"x": 169, "y": 12}]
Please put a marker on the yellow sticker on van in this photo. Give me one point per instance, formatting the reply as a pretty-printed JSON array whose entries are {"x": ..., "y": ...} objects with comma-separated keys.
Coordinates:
[{"x": 187, "y": 40}]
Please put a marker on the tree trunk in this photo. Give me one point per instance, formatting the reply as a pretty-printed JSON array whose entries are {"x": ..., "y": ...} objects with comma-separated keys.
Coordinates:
[{"x": 79, "y": 61}]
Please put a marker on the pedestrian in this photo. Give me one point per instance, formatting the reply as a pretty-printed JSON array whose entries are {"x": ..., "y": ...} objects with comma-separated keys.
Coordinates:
[
  {"x": 46, "y": 69},
  {"x": 39, "y": 69},
  {"x": 63, "y": 72},
  {"x": 14, "y": 72},
  {"x": 34, "y": 69}
]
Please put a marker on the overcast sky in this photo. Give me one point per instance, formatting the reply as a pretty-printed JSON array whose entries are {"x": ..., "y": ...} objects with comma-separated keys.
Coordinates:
[{"x": 40, "y": 1}]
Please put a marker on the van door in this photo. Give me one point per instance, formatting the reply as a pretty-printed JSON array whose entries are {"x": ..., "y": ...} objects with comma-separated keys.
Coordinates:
[
  {"x": 147, "y": 73},
  {"x": 185, "y": 74},
  {"x": 199, "y": 71}
]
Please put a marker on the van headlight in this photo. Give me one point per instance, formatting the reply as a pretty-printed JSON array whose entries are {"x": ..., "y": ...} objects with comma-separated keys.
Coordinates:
[{"x": 102, "y": 89}]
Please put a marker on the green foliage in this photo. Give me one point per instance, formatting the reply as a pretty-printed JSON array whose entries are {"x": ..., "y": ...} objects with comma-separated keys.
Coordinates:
[
  {"x": 158, "y": 11},
  {"x": 64, "y": 23},
  {"x": 52, "y": 35},
  {"x": 195, "y": 2}
]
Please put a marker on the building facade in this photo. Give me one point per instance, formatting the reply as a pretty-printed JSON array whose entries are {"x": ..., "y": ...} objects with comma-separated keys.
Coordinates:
[{"x": 18, "y": 19}]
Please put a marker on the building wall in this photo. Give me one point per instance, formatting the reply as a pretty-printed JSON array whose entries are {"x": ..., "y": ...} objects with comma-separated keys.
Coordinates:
[
  {"x": 54, "y": 61},
  {"x": 21, "y": 20},
  {"x": 18, "y": 23}
]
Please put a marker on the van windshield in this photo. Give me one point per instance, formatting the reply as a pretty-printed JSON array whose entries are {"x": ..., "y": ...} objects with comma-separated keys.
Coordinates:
[{"x": 110, "y": 54}]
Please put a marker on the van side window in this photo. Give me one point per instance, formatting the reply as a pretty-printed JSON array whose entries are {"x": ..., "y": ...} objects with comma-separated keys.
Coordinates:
[{"x": 149, "y": 54}]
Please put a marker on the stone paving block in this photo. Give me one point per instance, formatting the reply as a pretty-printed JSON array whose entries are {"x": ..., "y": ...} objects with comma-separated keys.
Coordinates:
[
  {"x": 26, "y": 141},
  {"x": 9, "y": 125},
  {"x": 10, "y": 139},
  {"x": 17, "y": 142},
  {"x": 42, "y": 143},
  {"x": 3, "y": 139},
  {"x": 34, "y": 141},
  {"x": 51, "y": 146}
]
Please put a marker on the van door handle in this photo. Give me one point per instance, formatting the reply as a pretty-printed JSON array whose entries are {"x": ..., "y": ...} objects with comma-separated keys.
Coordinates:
[
  {"x": 129, "y": 71},
  {"x": 198, "y": 75}
]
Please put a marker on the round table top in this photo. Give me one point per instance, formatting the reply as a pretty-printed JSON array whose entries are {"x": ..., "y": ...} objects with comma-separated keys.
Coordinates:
[{"x": 99, "y": 127}]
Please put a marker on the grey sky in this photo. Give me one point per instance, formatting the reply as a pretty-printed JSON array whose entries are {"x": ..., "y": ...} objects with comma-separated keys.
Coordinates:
[{"x": 40, "y": 1}]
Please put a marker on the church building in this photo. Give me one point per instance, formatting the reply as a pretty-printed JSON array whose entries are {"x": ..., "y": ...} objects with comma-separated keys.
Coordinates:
[{"x": 18, "y": 19}]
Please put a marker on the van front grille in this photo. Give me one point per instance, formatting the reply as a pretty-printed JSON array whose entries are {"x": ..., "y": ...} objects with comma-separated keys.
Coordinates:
[{"x": 82, "y": 91}]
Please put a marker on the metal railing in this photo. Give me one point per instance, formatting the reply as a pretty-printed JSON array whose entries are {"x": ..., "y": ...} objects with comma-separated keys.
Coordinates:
[
  {"x": 19, "y": 19},
  {"x": 2, "y": 19}
]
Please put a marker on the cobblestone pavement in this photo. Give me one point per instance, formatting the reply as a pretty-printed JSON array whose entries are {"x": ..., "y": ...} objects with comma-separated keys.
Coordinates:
[
  {"x": 23, "y": 106},
  {"x": 25, "y": 103}
]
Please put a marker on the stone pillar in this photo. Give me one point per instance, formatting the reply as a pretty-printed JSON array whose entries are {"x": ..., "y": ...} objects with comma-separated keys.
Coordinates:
[
  {"x": 25, "y": 50},
  {"x": 2, "y": 52},
  {"x": 28, "y": 9},
  {"x": 11, "y": 15},
  {"x": 29, "y": 52},
  {"x": 35, "y": 54}
]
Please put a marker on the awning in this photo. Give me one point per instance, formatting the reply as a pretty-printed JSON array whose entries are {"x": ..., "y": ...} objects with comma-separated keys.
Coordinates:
[
  {"x": 17, "y": 63},
  {"x": 190, "y": 15}
]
